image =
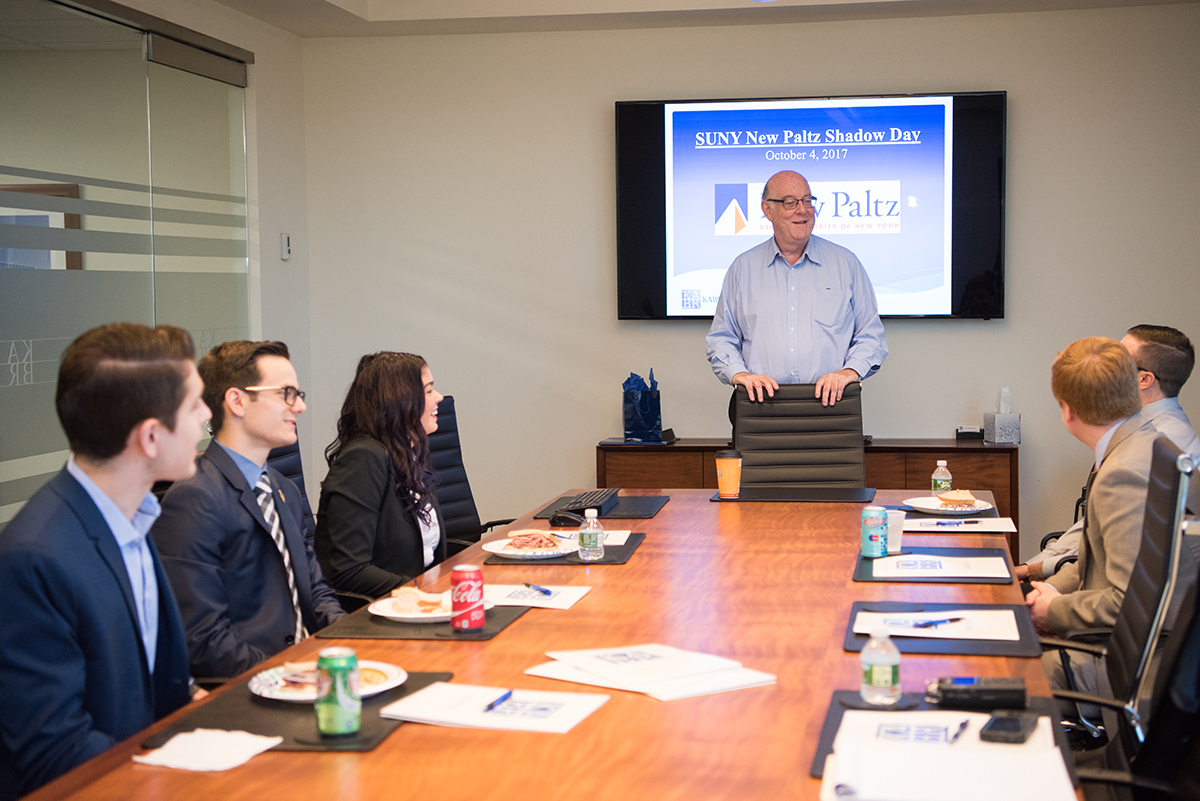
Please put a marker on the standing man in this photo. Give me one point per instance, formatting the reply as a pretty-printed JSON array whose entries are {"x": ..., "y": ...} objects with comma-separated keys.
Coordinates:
[
  {"x": 1095, "y": 383},
  {"x": 92, "y": 648},
  {"x": 1165, "y": 358},
  {"x": 232, "y": 541},
  {"x": 796, "y": 309}
]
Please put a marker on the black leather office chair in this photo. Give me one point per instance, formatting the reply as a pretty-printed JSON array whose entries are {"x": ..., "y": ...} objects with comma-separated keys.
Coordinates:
[
  {"x": 1140, "y": 621},
  {"x": 791, "y": 440},
  {"x": 453, "y": 489},
  {"x": 287, "y": 461},
  {"x": 1165, "y": 767}
]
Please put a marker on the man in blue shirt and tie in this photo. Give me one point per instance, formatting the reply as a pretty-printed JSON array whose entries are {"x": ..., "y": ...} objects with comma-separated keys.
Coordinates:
[
  {"x": 232, "y": 540},
  {"x": 92, "y": 649},
  {"x": 796, "y": 309}
]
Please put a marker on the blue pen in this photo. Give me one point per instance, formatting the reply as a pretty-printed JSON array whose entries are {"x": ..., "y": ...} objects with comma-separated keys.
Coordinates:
[
  {"x": 933, "y": 624},
  {"x": 542, "y": 590},
  {"x": 498, "y": 701}
]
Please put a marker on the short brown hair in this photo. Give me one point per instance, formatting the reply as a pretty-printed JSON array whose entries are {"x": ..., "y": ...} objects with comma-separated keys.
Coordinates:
[
  {"x": 1167, "y": 353},
  {"x": 233, "y": 364},
  {"x": 1097, "y": 378},
  {"x": 113, "y": 377}
]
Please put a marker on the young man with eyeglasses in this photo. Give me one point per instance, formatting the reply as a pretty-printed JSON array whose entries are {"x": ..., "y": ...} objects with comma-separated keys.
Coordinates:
[
  {"x": 1165, "y": 358},
  {"x": 796, "y": 309},
  {"x": 233, "y": 545}
]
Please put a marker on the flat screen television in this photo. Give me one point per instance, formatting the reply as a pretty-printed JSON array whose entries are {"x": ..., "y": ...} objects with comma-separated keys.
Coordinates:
[{"x": 913, "y": 184}]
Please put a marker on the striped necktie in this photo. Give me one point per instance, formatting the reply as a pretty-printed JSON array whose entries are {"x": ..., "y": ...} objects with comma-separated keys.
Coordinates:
[{"x": 266, "y": 502}]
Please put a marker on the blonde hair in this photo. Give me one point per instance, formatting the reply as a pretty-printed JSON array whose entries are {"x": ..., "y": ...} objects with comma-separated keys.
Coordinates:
[{"x": 1097, "y": 378}]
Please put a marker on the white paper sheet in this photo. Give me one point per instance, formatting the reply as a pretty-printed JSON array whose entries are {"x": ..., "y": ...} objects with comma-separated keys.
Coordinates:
[
  {"x": 908, "y": 756},
  {"x": 560, "y": 597},
  {"x": 463, "y": 705},
  {"x": 976, "y": 624},
  {"x": 633, "y": 667},
  {"x": 671, "y": 690},
  {"x": 978, "y": 524},
  {"x": 920, "y": 565},
  {"x": 616, "y": 537}
]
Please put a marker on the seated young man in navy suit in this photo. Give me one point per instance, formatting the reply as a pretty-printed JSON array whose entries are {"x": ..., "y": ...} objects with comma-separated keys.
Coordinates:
[
  {"x": 233, "y": 545},
  {"x": 92, "y": 648}
]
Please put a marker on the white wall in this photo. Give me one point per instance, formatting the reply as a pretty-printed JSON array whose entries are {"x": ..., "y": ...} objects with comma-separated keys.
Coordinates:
[{"x": 460, "y": 197}]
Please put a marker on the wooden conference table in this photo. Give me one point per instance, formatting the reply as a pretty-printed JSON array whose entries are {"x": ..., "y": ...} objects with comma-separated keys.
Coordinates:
[{"x": 768, "y": 584}]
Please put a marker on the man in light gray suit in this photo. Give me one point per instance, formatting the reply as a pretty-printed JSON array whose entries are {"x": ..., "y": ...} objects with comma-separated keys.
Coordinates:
[
  {"x": 1165, "y": 358},
  {"x": 1095, "y": 383}
]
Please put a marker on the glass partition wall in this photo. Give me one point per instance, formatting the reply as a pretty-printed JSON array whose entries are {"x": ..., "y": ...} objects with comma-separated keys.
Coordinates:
[{"x": 122, "y": 198}]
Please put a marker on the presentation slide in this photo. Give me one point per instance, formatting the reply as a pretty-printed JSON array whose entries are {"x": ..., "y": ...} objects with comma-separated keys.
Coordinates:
[{"x": 879, "y": 169}]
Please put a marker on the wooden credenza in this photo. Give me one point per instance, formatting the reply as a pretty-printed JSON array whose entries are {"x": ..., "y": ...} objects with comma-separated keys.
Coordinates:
[{"x": 890, "y": 464}]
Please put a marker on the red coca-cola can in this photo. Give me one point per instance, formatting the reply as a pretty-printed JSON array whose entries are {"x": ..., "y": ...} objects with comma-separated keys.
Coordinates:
[{"x": 466, "y": 598}]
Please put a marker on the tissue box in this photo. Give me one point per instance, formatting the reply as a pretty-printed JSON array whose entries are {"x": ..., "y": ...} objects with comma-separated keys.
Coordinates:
[{"x": 1001, "y": 429}]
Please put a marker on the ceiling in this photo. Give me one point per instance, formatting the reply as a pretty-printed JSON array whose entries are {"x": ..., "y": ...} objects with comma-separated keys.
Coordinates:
[{"x": 349, "y": 18}]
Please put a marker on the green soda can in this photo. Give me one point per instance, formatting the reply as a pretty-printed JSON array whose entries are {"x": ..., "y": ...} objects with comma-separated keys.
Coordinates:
[{"x": 339, "y": 705}]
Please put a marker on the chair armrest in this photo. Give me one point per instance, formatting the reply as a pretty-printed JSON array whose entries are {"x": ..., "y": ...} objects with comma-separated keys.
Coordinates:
[
  {"x": 1051, "y": 537},
  {"x": 1088, "y": 698},
  {"x": 1066, "y": 560},
  {"x": 353, "y": 601},
  {"x": 491, "y": 524},
  {"x": 1073, "y": 645},
  {"x": 1104, "y": 776}
]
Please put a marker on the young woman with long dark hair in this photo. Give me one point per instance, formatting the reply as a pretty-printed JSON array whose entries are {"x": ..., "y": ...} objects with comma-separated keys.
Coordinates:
[{"x": 378, "y": 523}]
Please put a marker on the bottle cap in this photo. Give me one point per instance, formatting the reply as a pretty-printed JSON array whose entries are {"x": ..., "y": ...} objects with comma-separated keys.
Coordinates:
[
  {"x": 589, "y": 514},
  {"x": 879, "y": 632},
  {"x": 941, "y": 463}
]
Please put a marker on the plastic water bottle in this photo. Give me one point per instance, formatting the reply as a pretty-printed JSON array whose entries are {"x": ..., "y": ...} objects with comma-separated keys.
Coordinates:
[
  {"x": 591, "y": 538},
  {"x": 941, "y": 478},
  {"x": 881, "y": 669}
]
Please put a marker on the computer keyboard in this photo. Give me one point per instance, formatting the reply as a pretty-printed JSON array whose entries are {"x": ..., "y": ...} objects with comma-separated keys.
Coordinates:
[{"x": 602, "y": 500}]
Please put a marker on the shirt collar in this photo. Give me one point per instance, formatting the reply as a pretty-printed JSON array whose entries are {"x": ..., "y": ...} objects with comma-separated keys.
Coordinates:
[
  {"x": 124, "y": 530},
  {"x": 1102, "y": 445},
  {"x": 247, "y": 468},
  {"x": 809, "y": 255}
]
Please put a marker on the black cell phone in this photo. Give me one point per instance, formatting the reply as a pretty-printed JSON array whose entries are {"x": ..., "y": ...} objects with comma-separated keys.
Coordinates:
[{"x": 1009, "y": 726}]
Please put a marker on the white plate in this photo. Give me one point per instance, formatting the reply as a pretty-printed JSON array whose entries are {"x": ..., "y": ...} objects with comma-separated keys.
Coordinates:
[
  {"x": 934, "y": 506},
  {"x": 500, "y": 548},
  {"x": 270, "y": 683},
  {"x": 382, "y": 608}
]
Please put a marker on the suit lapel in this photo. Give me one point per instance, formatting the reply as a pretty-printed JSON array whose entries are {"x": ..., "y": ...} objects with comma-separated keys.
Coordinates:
[{"x": 246, "y": 495}]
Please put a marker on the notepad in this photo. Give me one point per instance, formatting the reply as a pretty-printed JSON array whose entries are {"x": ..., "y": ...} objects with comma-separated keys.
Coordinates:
[
  {"x": 910, "y": 756},
  {"x": 976, "y": 624},
  {"x": 926, "y": 566},
  {"x": 519, "y": 595},
  {"x": 465, "y": 706}
]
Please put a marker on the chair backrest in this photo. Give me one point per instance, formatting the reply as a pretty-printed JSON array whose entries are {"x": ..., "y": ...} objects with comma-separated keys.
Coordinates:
[
  {"x": 287, "y": 461},
  {"x": 1172, "y": 748},
  {"x": 792, "y": 440},
  {"x": 453, "y": 490},
  {"x": 1138, "y": 627}
]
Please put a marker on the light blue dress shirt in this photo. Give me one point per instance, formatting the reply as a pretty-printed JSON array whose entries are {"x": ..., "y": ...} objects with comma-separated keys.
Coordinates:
[
  {"x": 253, "y": 472},
  {"x": 131, "y": 539},
  {"x": 795, "y": 323}
]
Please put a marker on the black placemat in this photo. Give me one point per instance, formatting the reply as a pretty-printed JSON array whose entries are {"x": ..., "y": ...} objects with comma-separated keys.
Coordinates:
[
  {"x": 864, "y": 568},
  {"x": 844, "y": 699},
  {"x": 1026, "y": 646},
  {"x": 362, "y": 625},
  {"x": 627, "y": 507},
  {"x": 801, "y": 495},
  {"x": 613, "y": 555},
  {"x": 241, "y": 710}
]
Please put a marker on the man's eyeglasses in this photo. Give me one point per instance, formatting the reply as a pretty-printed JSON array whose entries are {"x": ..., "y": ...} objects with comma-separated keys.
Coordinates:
[
  {"x": 790, "y": 203},
  {"x": 290, "y": 394}
]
